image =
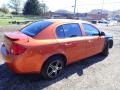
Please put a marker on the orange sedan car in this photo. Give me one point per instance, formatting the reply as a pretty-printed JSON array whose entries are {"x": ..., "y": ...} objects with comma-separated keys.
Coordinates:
[{"x": 47, "y": 46}]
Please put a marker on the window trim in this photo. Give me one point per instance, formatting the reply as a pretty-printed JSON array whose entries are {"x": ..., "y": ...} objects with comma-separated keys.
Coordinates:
[
  {"x": 64, "y": 32},
  {"x": 92, "y": 26},
  {"x": 56, "y": 32}
]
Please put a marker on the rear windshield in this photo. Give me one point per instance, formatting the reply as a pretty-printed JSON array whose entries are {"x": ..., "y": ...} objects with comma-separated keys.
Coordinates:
[{"x": 36, "y": 27}]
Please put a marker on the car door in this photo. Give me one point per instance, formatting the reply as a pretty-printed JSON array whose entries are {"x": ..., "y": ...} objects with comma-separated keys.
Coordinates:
[
  {"x": 94, "y": 42},
  {"x": 71, "y": 41}
]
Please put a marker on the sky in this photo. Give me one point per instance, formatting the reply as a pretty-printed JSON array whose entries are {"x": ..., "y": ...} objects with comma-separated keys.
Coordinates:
[{"x": 82, "y": 5}]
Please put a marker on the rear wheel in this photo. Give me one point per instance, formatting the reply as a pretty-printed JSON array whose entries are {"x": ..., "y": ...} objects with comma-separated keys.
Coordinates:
[
  {"x": 53, "y": 67},
  {"x": 105, "y": 51}
]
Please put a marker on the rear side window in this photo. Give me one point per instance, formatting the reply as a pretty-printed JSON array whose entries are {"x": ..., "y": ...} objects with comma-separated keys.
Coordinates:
[
  {"x": 71, "y": 30},
  {"x": 60, "y": 32},
  {"x": 90, "y": 30},
  {"x": 34, "y": 28},
  {"x": 68, "y": 30}
]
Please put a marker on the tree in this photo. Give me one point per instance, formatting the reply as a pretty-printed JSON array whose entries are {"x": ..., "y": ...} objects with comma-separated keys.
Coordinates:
[
  {"x": 4, "y": 9},
  {"x": 15, "y": 5},
  {"x": 44, "y": 8},
  {"x": 32, "y": 7}
]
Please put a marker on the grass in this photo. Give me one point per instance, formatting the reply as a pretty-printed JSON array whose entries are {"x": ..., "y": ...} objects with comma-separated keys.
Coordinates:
[{"x": 5, "y": 19}]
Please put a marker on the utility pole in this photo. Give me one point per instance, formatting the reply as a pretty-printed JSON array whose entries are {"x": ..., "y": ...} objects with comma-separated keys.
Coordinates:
[
  {"x": 75, "y": 7},
  {"x": 102, "y": 9}
]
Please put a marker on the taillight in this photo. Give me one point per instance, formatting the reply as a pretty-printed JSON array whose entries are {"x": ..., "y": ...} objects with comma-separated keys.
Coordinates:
[{"x": 17, "y": 49}]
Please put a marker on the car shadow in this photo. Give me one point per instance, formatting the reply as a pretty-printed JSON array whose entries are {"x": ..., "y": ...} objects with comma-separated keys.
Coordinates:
[{"x": 11, "y": 81}]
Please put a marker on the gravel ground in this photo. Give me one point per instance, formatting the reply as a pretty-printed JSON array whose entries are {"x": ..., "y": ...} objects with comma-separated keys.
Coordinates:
[{"x": 94, "y": 73}]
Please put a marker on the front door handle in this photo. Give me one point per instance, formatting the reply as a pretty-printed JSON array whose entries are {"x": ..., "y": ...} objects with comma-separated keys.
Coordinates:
[{"x": 68, "y": 44}]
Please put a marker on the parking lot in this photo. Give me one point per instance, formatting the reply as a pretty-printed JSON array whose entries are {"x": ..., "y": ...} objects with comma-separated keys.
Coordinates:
[{"x": 94, "y": 73}]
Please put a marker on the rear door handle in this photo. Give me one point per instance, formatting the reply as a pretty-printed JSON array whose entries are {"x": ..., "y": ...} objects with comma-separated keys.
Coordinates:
[
  {"x": 67, "y": 44},
  {"x": 90, "y": 41}
]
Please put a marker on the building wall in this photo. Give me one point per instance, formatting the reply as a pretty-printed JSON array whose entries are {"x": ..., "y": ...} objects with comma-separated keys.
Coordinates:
[{"x": 97, "y": 16}]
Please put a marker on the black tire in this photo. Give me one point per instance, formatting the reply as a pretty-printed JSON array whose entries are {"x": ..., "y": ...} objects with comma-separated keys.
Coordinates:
[
  {"x": 105, "y": 51},
  {"x": 53, "y": 67}
]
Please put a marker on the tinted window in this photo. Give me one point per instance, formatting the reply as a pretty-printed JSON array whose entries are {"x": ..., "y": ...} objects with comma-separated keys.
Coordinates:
[
  {"x": 71, "y": 30},
  {"x": 60, "y": 32},
  {"x": 34, "y": 28},
  {"x": 90, "y": 30}
]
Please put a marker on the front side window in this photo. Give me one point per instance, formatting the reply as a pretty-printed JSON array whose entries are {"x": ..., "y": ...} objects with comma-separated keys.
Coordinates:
[
  {"x": 90, "y": 30},
  {"x": 36, "y": 27}
]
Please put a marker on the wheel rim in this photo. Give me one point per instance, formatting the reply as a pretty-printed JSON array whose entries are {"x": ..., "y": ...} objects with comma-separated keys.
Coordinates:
[{"x": 54, "y": 68}]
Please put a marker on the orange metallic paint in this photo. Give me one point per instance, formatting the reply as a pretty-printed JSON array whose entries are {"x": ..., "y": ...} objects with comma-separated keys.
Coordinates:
[{"x": 46, "y": 44}]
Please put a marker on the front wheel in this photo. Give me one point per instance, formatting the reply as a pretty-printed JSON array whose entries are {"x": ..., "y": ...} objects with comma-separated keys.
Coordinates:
[
  {"x": 105, "y": 51},
  {"x": 53, "y": 67}
]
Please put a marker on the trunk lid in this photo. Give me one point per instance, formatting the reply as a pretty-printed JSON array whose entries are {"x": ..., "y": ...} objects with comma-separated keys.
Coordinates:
[{"x": 11, "y": 37}]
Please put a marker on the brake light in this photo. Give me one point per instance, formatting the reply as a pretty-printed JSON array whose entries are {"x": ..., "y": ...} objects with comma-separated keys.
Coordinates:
[{"x": 17, "y": 49}]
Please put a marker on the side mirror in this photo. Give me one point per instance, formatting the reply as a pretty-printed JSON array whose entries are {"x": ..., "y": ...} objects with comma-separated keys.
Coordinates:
[{"x": 102, "y": 33}]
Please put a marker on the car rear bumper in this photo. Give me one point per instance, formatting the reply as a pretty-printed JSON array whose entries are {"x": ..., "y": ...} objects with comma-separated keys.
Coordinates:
[
  {"x": 7, "y": 59},
  {"x": 21, "y": 64}
]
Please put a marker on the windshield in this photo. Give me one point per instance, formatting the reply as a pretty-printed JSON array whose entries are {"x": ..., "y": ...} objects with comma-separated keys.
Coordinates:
[{"x": 34, "y": 28}]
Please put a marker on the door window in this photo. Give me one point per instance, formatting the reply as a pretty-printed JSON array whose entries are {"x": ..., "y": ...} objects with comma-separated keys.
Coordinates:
[
  {"x": 90, "y": 30},
  {"x": 71, "y": 30},
  {"x": 60, "y": 32},
  {"x": 68, "y": 30}
]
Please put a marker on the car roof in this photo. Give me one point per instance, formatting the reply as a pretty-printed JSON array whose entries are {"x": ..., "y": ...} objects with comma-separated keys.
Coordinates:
[{"x": 67, "y": 21}]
